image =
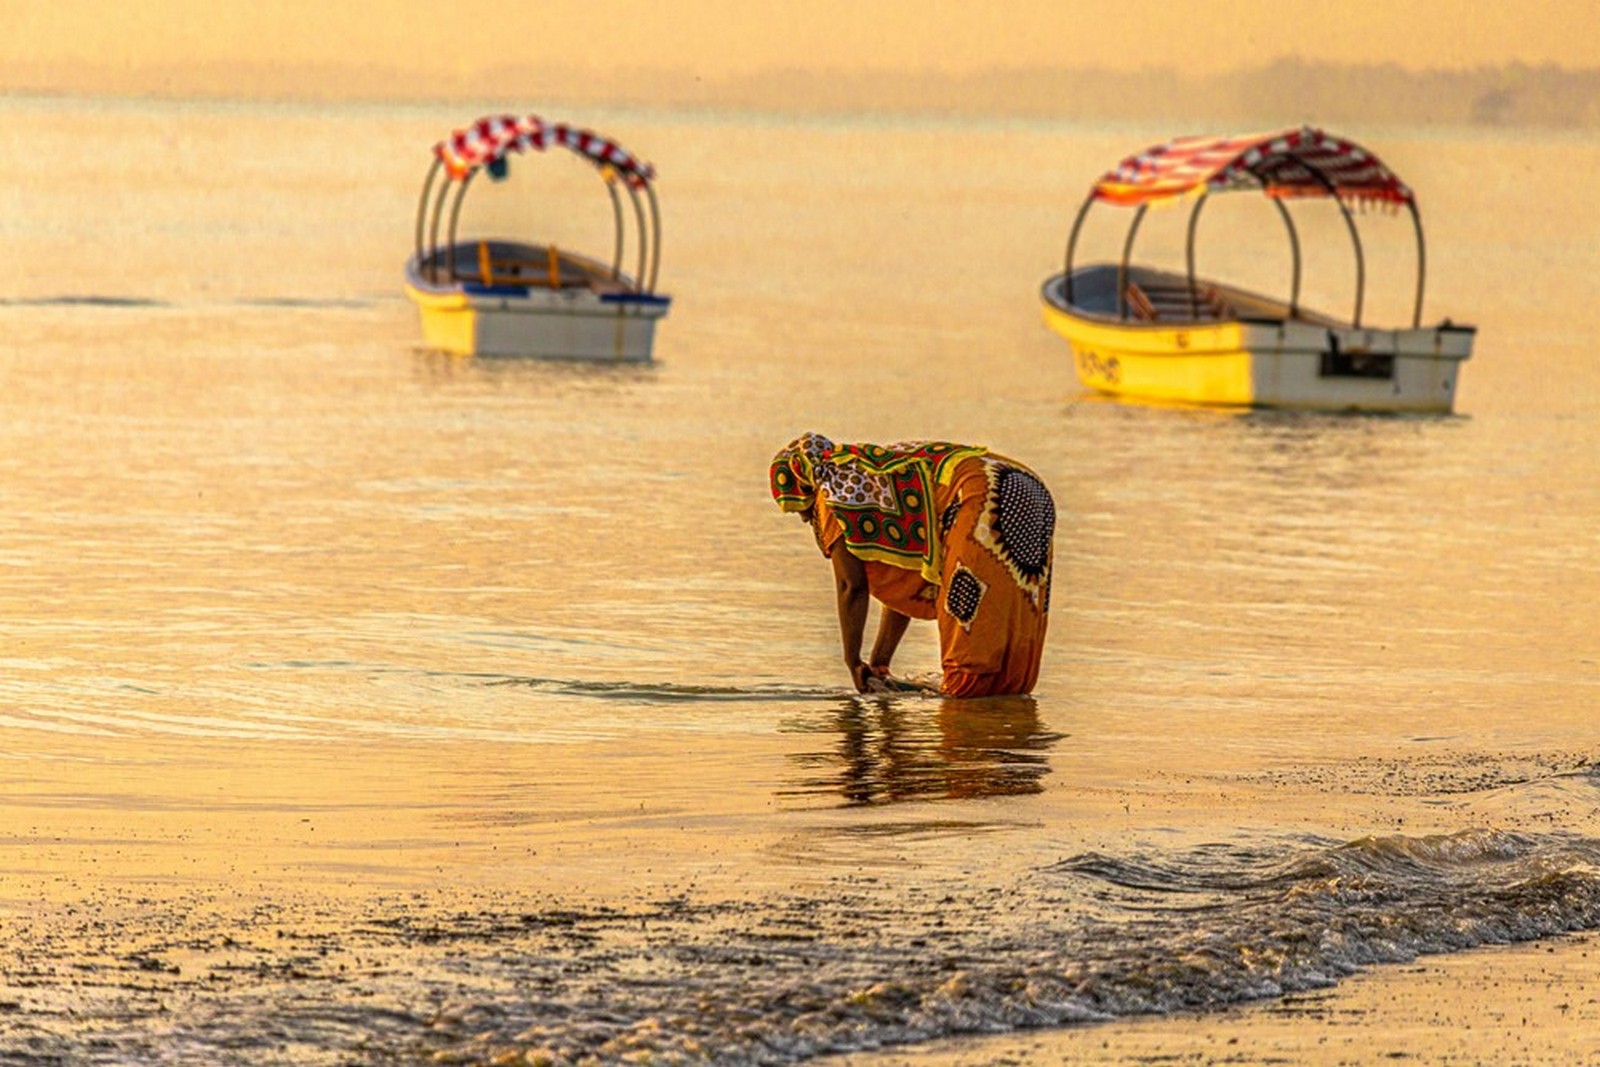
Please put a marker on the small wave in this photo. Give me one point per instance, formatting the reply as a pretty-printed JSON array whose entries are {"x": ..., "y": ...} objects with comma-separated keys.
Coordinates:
[
  {"x": 303, "y": 302},
  {"x": 1469, "y": 851},
  {"x": 83, "y": 300},
  {"x": 1298, "y": 921},
  {"x": 100, "y": 300},
  {"x": 666, "y": 692},
  {"x": 1211, "y": 869},
  {"x": 849, "y": 974}
]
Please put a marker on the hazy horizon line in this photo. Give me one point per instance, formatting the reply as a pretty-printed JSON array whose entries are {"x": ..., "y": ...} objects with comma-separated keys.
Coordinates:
[{"x": 1511, "y": 94}]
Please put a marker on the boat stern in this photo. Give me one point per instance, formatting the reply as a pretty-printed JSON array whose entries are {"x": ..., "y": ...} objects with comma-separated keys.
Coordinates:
[
  {"x": 1203, "y": 363},
  {"x": 449, "y": 322}
]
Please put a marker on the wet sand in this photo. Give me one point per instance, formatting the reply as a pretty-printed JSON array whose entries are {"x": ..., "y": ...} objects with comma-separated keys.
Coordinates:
[
  {"x": 389, "y": 982},
  {"x": 1532, "y": 1003}
]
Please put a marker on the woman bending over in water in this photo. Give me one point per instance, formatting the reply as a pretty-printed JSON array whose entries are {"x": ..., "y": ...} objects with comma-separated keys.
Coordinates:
[{"x": 931, "y": 530}]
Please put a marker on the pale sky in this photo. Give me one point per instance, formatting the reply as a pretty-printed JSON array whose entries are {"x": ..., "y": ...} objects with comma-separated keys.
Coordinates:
[{"x": 717, "y": 38}]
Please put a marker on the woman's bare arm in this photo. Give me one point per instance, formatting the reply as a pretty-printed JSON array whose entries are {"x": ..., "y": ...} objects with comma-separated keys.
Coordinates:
[
  {"x": 891, "y": 627},
  {"x": 850, "y": 583}
]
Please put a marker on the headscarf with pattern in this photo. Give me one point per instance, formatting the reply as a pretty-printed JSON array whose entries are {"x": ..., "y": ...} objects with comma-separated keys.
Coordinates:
[{"x": 882, "y": 496}]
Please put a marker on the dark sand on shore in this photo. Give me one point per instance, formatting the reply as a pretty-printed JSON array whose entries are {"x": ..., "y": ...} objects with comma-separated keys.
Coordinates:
[{"x": 1535, "y": 1003}]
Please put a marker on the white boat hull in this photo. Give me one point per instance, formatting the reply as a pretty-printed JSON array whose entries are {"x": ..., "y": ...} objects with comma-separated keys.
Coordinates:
[
  {"x": 556, "y": 325},
  {"x": 601, "y": 321}
]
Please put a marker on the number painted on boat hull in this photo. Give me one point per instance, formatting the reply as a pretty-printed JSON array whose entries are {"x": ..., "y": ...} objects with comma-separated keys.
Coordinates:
[{"x": 1093, "y": 367}]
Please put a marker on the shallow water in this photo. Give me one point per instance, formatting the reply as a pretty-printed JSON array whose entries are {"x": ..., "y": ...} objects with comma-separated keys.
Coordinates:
[{"x": 358, "y": 702}]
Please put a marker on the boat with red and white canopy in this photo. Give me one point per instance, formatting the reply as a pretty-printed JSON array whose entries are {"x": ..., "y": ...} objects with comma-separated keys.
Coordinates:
[
  {"x": 498, "y": 295},
  {"x": 1167, "y": 335}
]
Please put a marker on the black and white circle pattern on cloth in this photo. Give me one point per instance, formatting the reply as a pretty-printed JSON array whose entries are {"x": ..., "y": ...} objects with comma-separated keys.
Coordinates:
[
  {"x": 947, "y": 518},
  {"x": 1018, "y": 525},
  {"x": 962, "y": 597}
]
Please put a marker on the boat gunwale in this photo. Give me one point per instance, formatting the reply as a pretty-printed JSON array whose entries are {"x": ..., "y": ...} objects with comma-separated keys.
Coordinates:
[
  {"x": 1054, "y": 288},
  {"x": 593, "y": 271}
]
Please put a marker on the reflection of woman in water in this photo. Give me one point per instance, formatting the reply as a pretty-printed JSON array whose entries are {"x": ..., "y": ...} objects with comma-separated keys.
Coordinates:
[
  {"x": 888, "y": 751},
  {"x": 931, "y": 530}
]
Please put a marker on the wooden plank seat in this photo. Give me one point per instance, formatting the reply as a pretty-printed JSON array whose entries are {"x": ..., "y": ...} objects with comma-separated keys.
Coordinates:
[
  {"x": 1171, "y": 301},
  {"x": 551, "y": 271}
]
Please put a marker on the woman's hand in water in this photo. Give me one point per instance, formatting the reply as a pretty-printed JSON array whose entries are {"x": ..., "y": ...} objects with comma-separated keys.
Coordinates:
[{"x": 863, "y": 676}]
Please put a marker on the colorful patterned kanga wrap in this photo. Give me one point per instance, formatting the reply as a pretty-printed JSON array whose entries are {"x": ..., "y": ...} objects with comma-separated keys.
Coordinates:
[{"x": 882, "y": 495}]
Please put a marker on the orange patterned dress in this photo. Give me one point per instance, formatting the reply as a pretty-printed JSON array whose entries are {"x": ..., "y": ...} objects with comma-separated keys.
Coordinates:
[{"x": 945, "y": 532}]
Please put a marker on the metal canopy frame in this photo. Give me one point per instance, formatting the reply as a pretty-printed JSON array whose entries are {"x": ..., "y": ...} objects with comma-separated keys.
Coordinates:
[
  {"x": 436, "y": 202},
  {"x": 1294, "y": 246}
]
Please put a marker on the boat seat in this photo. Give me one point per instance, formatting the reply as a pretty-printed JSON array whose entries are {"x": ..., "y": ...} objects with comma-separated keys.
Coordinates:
[
  {"x": 551, "y": 272},
  {"x": 525, "y": 274},
  {"x": 1140, "y": 304},
  {"x": 1162, "y": 301}
]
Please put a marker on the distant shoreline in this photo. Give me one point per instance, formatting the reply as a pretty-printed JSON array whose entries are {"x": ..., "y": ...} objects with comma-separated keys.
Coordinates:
[{"x": 1284, "y": 92}]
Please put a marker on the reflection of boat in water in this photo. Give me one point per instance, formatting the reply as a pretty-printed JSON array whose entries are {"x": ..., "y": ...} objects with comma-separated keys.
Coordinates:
[
  {"x": 1141, "y": 332},
  {"x": 893, "y": 750},
  {"x": 507, "y": 296}
]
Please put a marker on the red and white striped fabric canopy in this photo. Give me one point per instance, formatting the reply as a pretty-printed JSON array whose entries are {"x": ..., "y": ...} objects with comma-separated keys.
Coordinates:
[
  {"x": 1303, "y": 162},
  {"x": 491, "y": 137}
]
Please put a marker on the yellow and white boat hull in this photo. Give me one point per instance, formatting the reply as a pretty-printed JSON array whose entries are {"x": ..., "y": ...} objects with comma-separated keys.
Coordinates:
[
  {"x": 559, "y": 324},
  {"x": 1254, "y": 357}
]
